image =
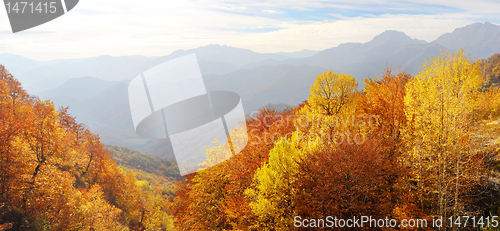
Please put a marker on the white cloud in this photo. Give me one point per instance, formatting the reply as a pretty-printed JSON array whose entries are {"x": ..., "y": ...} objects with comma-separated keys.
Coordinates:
[
  {"x": 323, "y": 35},
  {"x": 272, "y": 12},
  {"x": 158, "y": 27}
]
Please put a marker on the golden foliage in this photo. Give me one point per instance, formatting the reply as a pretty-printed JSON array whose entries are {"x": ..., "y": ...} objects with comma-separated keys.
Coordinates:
[{"x": 56, "y": 175}]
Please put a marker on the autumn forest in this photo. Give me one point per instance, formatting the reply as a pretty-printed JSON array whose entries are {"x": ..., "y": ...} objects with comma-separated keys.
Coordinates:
[{"x": 404, "y": 148}]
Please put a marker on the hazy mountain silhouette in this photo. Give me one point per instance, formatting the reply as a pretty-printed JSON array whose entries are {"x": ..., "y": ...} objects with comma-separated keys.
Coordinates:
[
  {"x": 390, "y": 48},
  {"x": 40, "y": 76},
  {"x": 481, "y": 40},
  {"x": 215, "y": 68},
  {"x": 108, "y": 113},
  {"x": 160, "y": 148},
  {"x": 225, "y": 54},
  {"x": 381, "y": 47},
  {"x": 52, "y": 74},
  {"x": 267, "y": 84},
  {"x": 282, "y": 78},
  {"x": 18, "y": 64},
  {"x": 363, "y": 60},
  {"x": 76, "y": 90},
  {"x": 299, "y": 54}
]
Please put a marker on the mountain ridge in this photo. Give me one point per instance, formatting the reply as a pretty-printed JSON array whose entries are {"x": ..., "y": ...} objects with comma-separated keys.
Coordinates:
[
  {"x": 287, "y": 80},
  {"x": 481, "y": 40}
]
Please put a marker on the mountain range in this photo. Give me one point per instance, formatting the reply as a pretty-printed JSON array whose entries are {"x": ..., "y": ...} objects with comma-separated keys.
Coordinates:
[{"x": 95, "y": 88}]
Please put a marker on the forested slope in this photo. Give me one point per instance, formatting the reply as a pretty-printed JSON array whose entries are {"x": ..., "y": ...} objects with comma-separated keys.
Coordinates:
[
  {"x": 406, "y": 147},
  {"x": 56, "y": 175}
]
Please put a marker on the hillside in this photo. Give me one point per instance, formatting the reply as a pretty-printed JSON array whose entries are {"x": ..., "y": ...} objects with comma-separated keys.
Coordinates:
[
  {"x": 133, "y": 159},
  {"x": 55, "y": 174},
  {"x": 108, "y": 113},
  {"x": 158, "y": 172},
  {"x": 431, "y": 148},
  {"x": 491, "y": 69},
  {"x": 160, "y": 148}
]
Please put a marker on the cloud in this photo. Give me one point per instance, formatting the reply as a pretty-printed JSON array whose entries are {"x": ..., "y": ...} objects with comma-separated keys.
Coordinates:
[
  {"x": 272, "y": 12},
  {"x": 157, "y": 27},
  {"x": 323, "y": 35},
  {"x": 477, "y": 6},
  {"x": 229, "y": 7}
]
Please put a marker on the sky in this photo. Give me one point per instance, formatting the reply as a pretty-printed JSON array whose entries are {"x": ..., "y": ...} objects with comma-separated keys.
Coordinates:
[{"x": 159, "y": 27}]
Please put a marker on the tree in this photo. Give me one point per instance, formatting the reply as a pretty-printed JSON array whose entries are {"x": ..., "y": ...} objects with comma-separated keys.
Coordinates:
[
  {"x": 214, "y": 198},
  {"x": 330, "y": 92},
  {"x": 383, "y": 101},
  {"x": 272, "y": 193},
  {"x": 442, "y": 152},
  {"x": 490, "y": 104},
  {"x": 343, "y": 182},
  {"x": 14, "y": 114},
  {"x": 56, "y": 175},
  {"x": 384, "y": 98},
  {"x": 46, "y": 139},
  {"x": 216, "y": 154},
  {"x": 332, "y": 112},
  {"x": 490, "y": 68},
  {"x": 95, "y": 213}
]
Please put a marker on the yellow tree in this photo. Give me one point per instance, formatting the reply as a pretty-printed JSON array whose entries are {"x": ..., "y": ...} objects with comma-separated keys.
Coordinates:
[
  {"x": 330, "y": 92},
  {"x": 216, "y": 154},
  {"x": 214, "y": 198},
  {"x": 95, "y": 213},
  {"x": 330, "y": 111},
  {"x": 439, "y": 102},
  {"x": 14, "y": 113},
  {"x": 272, "y": 192}
]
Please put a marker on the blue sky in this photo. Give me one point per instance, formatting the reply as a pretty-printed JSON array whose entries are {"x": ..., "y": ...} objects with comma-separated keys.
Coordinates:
[
  {"x": 159, "y": 27},
  {"x": 342, "y": 10}
]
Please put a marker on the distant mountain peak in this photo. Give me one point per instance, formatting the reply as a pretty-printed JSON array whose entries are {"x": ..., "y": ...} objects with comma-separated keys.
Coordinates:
[
  {"x": 478, "y": 39},
  {"x": 85, "y": 79},
  {"x": 394, "y": 37},
  {"x": 212, "y": 46},
  {"x": 77, "y": 88},
  {"x": 17, "y": 57},
  {"x": 391, "y": 34},
  {"x": 478, "y": 26}
]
